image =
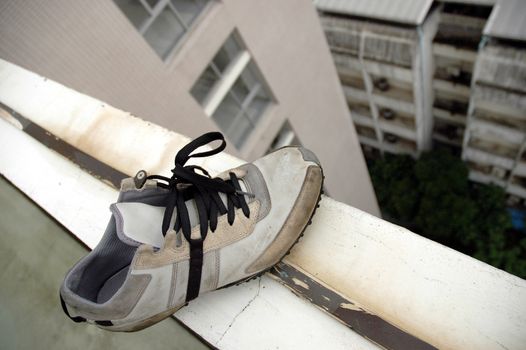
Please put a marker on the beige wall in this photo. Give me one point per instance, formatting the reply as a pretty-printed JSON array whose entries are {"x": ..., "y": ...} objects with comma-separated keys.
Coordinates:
[{"x": 91, "y": 47}]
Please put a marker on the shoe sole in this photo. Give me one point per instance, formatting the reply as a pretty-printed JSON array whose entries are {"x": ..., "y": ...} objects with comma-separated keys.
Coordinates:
[{"x": 137, "y": 326}]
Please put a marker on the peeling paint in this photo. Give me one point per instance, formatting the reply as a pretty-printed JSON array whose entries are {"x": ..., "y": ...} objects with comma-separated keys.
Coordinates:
[
  {"x": 355, "y": 307},
  {"x": 346, "y": 311},
  {"x": 4, "y": 114},
  {"x": 300, "y": 283},
  {"x": 350, "y": 306}
]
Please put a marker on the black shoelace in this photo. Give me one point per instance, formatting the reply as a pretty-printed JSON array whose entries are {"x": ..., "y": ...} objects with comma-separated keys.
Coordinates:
[{"x": 185, "y": 184}]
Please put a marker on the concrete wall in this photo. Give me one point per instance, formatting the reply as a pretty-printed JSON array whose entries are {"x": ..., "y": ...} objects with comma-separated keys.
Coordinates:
[{"x": 93, "y": 48}]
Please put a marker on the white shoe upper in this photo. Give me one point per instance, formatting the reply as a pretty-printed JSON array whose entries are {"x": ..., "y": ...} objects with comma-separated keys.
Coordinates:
[{"x": 155, "y": 268}]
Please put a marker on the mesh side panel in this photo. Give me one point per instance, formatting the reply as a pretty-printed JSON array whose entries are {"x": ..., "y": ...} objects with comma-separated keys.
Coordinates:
[
  {"x": 109, "y": 257},
  {"x": 99, "y": 275}
]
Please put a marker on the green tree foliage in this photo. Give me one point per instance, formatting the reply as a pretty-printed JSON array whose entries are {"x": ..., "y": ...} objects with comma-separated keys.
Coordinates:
[
  {"x": 395, "y": 186},
  {"x": 445, "y": 209},
  {"x": 433, "y": 197}
]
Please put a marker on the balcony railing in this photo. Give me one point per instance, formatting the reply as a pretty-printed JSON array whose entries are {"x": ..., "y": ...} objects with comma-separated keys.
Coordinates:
[
  {"x": 370, "y": 41},
  {"x": 503, "y": 68}
]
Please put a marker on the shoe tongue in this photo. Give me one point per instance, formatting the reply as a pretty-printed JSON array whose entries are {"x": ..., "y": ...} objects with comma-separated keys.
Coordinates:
[{"x": 139, "y": 223}]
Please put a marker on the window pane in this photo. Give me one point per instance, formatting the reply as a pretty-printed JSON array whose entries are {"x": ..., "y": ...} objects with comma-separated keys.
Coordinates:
[
  {"x": 285, "y": 137},
  {"x": 187, "y": 10},
  {"x": 244, "y": 84},
  {"x": 236, "y": 130},
  {"x": 226, "y": 112},
  {"x": 240, "y": 110},
  {"x": 152, "y": 3},
  {"x": 240, "y": 130},
  {"x": 164, "y": 32},
  {"x": 134, "y": 10},
  {"x": 226, "y": 54},
  {"x": 258, "y": 105},
  {"x": 205, "y": 83},
  {"x": 240, "y": 90}
]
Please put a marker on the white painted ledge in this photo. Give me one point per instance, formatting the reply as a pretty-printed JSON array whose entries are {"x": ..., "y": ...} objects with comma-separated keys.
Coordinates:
[
  {"x": 435, "y": 293},
  {"x": 261, "y": 314}
]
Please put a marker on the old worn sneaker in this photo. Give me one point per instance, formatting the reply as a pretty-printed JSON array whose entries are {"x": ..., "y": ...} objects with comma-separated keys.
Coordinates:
[{"x": 171, "y": 239}]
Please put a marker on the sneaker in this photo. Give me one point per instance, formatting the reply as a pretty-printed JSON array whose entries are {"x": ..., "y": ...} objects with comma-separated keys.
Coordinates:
[{"x": 172, "y": 239}]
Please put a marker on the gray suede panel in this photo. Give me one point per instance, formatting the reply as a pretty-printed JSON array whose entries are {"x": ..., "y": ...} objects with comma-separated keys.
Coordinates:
[
  {"x": 119, "y": 306},
  {"x": 308, "y": 155},
  {"x": 153, "y": 196},
  {"x": 112, "y": 285},
  {"x": 256, "y": 185}
]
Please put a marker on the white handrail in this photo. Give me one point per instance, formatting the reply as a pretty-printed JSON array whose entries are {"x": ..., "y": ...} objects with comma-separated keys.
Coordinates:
[{"x": 435, "y": 293}]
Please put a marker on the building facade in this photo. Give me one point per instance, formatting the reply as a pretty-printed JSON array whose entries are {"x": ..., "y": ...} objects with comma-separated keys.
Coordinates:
[
  {"x": 241, "y": 67},
  {"x": 455, "y": 47},
  {"x": 383, "y": 62},
  {"x": 423, "y": 74},
  {"x": 495, "y": 139}
]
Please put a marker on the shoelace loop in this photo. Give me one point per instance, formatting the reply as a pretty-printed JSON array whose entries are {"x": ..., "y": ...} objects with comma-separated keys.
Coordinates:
[{"x": 187, "y": 183}]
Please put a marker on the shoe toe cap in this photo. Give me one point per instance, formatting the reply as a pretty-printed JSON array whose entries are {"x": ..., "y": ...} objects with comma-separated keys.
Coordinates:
[{"x": 285, "y": 171}]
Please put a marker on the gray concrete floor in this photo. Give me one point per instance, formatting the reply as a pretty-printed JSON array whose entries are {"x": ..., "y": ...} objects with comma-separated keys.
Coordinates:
[{"x": 35, "y": 253}]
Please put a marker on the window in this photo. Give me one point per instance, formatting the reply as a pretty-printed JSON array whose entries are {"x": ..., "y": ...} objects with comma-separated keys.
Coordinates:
[
  {"x": 285, "y": 137},
  {"x": 162, "y": 23},
  {"x": 231, "y": 91}
]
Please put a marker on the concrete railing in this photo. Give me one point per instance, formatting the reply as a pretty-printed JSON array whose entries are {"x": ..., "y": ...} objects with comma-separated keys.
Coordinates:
[
  {"x": 444, "y": 298},
  {"x": 381, "y": 42},
  {"x": 502, "y": 67}
]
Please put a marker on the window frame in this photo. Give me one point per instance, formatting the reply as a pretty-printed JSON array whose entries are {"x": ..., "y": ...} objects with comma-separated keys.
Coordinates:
[
  {"x": 225, "y": 83},
  {"x": 154, "y": 13}
]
